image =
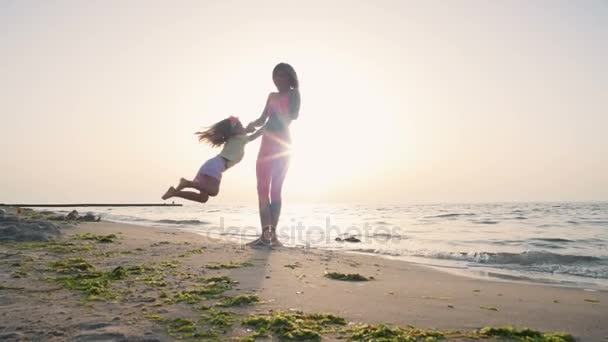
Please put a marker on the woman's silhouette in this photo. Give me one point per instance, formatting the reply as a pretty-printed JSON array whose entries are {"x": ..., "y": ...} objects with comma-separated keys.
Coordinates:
[{"x": 281, "y": 109}]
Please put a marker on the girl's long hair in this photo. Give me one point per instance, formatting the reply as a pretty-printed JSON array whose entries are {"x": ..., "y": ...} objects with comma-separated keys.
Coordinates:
[
  {"x": 217, "y": 134},
  {"x": 293, "y": 77}
]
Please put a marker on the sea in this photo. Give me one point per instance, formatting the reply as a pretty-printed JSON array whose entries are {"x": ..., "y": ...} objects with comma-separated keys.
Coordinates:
[{"x": 565, "y": 244}]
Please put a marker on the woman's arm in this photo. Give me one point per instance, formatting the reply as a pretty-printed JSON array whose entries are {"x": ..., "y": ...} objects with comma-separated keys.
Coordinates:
[
  {"x": 294, "y": 104},
  {"x": 256, "y": 135},
  {"x": 261, "y": 120}
]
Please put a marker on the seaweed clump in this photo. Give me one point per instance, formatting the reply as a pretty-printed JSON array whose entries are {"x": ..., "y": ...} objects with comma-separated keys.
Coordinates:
[
  {"x": 346, "y": 277},
  {"x": 98, "y": 238},
  {"x": 211, "y": 288},
  {"x": 80, "y": 275},
  {"x": 213, "y": 323},
  {"x": 386, "y": 333},
  {"x": 229, "y": 265},
  {"x": 239, "y": 300},
  {"x": 293, "y": 326},
  {"x": 524, "y": 334},
  {"x": 218, "y": 319}
]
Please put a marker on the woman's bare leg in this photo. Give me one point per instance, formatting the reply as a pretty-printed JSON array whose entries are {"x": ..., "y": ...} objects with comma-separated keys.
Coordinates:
[
  {"x": 263, "y": 173},
  {"x": 279, "y": 172}
]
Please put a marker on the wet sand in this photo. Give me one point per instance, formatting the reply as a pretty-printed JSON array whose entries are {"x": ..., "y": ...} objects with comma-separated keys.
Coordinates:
[{"x": 140, "y": 306}]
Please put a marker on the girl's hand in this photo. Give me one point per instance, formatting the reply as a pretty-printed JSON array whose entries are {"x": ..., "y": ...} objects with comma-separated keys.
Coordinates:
[{"x": 250, "y": 128}]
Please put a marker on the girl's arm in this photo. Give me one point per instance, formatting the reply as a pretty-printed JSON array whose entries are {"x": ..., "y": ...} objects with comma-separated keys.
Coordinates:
[
  {"x": 256, "y": 135},
  {"x": 261, "y": 120}
]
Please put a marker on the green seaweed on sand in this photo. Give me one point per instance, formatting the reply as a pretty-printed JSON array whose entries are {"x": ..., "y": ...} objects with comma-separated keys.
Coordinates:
[
  {"x": 53, "y": 246},
  {"x": 229, "y": 265},
  {"x": 292, "y": 326},
  {"x": 218, "y": 319},
  {"x": 208, "y": 290},
  {"x": 181, "y": 328},
  {"x": 154, "y": 317},
  {"x": 189, "y": 297},
  {"x": 345, "y": 277},
  {"x": 294, "y": 265},
  {"x": 139, "y": 269},
  {"x": 156, "y": 282},
  {"x": 592, "y": 300},
  {"x": 239, "y": 300},
  {"x": 19, "y": 274},
  {"x": 150, "y": 275},
  {"x": 191, "y": 252},
  {"x": 81, "y": 276},
  {"x": 490, "y": 308},
  {"x": 72, "y": 265},
  {"x": 97, "y": 238},
  {"x": 169, "y": 264},
  {"x": 387, "y": 333},
  {"x": 528, "y": 335},
  {"x": 218, "y": 279}
]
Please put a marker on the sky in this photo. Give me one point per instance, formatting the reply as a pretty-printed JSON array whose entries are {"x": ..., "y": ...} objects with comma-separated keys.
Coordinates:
[{"x": 402, "y": 101}]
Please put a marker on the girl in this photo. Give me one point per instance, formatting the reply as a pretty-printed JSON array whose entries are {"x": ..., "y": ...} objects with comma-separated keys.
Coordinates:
[
  {"x": 228, "y": 133},
  {"x": 282, "y": 107}
]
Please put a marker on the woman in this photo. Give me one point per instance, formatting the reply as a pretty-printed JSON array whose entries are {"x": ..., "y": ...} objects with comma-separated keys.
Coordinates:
[{"x": 281, "y": 108}]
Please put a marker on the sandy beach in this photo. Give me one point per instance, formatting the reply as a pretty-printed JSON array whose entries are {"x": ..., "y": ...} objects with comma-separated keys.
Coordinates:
[{"x": 105, "y": 281}]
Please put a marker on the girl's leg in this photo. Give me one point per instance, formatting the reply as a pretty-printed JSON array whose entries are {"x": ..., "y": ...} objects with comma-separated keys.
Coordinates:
[
  {"x": 209, "y": 185},
  {"x": 169, "y": 193},
  {"x": 185, "y": 183},
  {"x": 279, "y": 172},
  {"x": 204, "y": 183},
  {"x": 192, "y": 196}
]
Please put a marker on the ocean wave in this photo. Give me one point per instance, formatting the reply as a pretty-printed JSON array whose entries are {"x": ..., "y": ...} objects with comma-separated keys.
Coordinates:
[
  {"x": 193, "y": 222},
  {"x": 239, "y": 234},
  {"x": 551, "y": 240},
  {"x": 526, "y": 262},
  {"x": 386, "y": 236},
  {"x": 451, "y": 215},
  {"x": 124, "y": 218},
  {"x": 382, "y": 223},
  {"x": 523, "y": 259},
  {"x": 595, "y": 271},
  {"x": 485, "y": 222}
]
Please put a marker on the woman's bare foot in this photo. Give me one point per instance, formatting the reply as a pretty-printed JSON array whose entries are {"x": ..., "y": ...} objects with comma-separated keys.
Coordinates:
[
  {"x": 274, "y": 240},
  {"x": 183, "y": 183},
  {"x": 259, "y": 242},
  {"x": 170, "y": 193},
  {"x": 263, "y": 240}
]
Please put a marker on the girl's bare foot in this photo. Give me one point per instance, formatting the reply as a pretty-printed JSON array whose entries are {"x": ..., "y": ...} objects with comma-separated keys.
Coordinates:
[
  {"x": 183, "y": 183},
  {"x": 170, "y": 193}
]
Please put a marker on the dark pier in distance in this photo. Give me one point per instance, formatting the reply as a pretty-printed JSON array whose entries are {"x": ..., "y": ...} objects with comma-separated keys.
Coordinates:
[{"x": 91, "y": 205}]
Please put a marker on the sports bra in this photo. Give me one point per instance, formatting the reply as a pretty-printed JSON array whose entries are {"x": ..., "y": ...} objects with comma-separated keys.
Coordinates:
[{"x": 279, "y": 116}]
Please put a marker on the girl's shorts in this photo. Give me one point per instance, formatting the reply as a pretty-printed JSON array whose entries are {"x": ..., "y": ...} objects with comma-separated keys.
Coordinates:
[{"x": 212, "y": 167}]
